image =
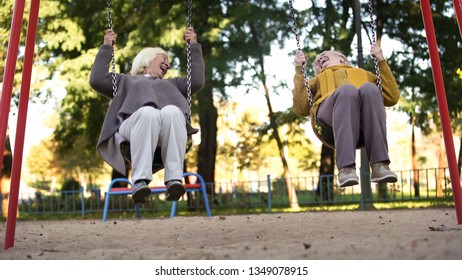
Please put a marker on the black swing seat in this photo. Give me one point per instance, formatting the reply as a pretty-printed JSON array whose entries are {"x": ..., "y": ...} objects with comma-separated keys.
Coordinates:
[
  {"x": 157, "y": 163},
  {"x": 325, "y": 132}
]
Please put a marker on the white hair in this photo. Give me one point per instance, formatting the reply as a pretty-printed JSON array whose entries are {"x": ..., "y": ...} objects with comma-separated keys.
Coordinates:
[
  {"x": 337, "y": 53},
  {"x": 143, "y": 58}
]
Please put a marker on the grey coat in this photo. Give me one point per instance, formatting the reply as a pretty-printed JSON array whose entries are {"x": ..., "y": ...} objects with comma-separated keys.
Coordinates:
[{"x": 134, "y": 92}]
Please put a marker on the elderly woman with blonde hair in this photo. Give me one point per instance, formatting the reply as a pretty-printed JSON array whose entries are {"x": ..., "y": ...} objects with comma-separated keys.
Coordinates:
[
  {"x": 148, "y": 111},
  {"x": 348, "y": 110}
]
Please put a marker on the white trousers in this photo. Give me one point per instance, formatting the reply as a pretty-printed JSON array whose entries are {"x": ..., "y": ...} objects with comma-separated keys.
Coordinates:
[{"x": 149, "y": 128}]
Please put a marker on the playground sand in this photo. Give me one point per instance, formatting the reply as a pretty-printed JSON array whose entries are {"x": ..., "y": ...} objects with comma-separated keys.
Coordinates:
[{"x": 354, "y": 235}]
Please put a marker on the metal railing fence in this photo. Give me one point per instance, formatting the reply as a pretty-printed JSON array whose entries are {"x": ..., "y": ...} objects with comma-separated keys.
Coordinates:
[{"x": 254, "y": 196}]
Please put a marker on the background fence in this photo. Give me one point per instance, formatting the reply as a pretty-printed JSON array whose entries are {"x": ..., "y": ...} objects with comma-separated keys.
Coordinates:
[{"x": 271, "y": 194}]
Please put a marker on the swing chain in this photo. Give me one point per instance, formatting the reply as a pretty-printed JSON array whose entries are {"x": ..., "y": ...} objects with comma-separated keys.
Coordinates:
[
  {"x": 188, "y": 56},
  {"x": 114, "y": 81},
  {"x": 374, "y": 40},
  {"x": 297, "y": 38}
]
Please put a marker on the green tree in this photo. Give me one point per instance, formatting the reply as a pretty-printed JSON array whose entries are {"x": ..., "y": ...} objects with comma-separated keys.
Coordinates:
[
  {"x": 39, "y": 160},
  {"x": 254, "y": 26},
  {"x": 402, "y": 21},
  {"x": 240, "y": 148},
  {"x": 39, "y": 92},
  {"x": 160, "y": 23}
]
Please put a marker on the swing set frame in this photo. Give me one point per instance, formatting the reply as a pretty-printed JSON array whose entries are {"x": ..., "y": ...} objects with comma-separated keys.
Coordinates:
[{"x": 7, "y": 89}]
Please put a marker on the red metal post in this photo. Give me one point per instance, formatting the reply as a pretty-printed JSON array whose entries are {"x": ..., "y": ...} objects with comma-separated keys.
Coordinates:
[
  {"x": 21, "y": 126},
  {"x": 458, "y": 8},
  {"x": 10, "y": 68},
  {"x": 443, "y": 106}
]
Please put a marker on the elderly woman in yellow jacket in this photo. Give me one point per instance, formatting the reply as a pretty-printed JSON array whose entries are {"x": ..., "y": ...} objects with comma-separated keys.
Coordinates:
[{"x": 348, "y": 110}]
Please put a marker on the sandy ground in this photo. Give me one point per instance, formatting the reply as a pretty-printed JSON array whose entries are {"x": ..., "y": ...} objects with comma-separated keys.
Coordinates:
[{"x": 356, "y": 235}]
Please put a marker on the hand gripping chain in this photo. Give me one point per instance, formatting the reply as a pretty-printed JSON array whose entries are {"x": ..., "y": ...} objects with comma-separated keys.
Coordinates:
[{"x": 297, "y": 38}]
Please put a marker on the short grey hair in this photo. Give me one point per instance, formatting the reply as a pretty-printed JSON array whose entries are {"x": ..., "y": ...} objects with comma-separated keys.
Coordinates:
[
  {"x": 144, "y": 57},
  {"x": 337, "y": 53}
]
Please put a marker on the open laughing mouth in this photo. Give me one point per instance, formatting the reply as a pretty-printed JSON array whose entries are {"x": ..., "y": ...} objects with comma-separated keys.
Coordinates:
[{"x": 164, "y": 69}]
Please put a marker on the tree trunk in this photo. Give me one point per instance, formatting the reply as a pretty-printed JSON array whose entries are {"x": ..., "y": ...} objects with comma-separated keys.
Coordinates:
[
  {"x": 115, "y": 175},
  {"x": 441, "y": 166},
  {"x": 207, "y": 112},
  {"x": 325, "y": 170},
  {"x": 5, "y": 175},
  {"x": 261, "y": 73},
  {"x": 291, "y": 192},
  {"x": 416, "y": 182},
  {"x": 206, "y": 157},
  {"x": 382, "y": 189},
  {"x": 189, "y": 195}
]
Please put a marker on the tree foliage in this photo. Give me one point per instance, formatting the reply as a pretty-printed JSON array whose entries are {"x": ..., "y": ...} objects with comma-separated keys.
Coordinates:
[
  {"x": 236, "y": 36},
  {"x": 410, "y": 63},
  {"x": 222, "y": 29}
]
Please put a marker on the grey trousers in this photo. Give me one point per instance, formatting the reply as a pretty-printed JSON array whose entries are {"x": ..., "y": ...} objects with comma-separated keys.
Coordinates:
[
  {"x": 348, "y": 111},
  {"x": 149, "y": 128}
]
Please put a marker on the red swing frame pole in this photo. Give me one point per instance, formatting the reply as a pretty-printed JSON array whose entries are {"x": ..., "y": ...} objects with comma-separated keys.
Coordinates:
[
  {"x": 458, "y": 8},
  {"x": 442, "y": 105},
  {"x": 21, "y": 125},
  {"x": 10, "y": 67}
]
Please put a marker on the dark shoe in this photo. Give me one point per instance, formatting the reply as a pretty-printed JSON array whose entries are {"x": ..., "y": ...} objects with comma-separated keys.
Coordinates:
[
  {"x": 381, "y": 173},
  {"x": 175, "y": 190},
  {"x": 141, "y": 191},
  {"x": 347, "y": 177}
]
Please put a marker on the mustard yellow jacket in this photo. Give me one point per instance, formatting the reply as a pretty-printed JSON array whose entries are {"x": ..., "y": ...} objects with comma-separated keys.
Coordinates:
[{"x": 326, "y": 82}]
